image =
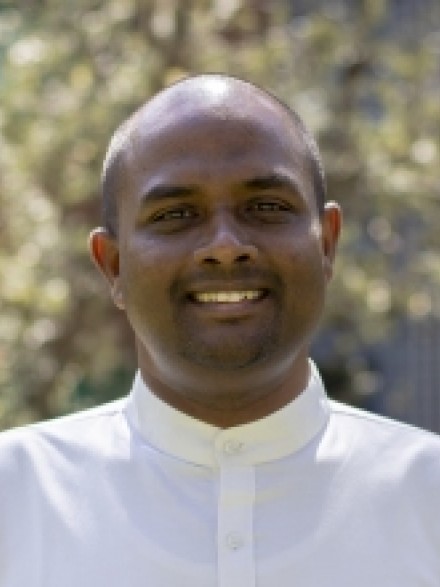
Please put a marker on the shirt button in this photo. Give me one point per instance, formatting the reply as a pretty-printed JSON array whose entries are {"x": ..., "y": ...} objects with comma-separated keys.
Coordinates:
[
  {"x": 232, "y": 446},
  {"x": 234, "y": 540}
]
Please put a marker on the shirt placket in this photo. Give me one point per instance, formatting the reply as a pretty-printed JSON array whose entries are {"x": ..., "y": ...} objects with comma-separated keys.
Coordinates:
[{"x": 235, "y": 540}]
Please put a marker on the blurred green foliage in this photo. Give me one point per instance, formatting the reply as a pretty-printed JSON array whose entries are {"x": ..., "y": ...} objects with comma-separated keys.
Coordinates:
[{"x": 69, "y": 74}]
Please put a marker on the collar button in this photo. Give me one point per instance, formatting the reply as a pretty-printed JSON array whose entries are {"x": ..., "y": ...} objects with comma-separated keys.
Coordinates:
[{"x": 232, "y": 446}]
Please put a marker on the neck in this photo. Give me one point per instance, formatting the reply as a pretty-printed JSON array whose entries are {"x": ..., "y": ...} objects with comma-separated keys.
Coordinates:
[{"x": 222, "y": 401}]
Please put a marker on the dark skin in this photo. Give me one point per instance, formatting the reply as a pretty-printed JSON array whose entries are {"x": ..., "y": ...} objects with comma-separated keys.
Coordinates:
[{"x": 222, "y": 258}]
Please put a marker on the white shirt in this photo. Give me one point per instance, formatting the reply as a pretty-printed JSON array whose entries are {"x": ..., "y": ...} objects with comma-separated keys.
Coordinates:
[{"x": 137, "y": 494}]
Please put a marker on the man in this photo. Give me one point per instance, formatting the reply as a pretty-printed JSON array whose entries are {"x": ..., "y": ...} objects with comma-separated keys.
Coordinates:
[{"x": 227, "y": 465}]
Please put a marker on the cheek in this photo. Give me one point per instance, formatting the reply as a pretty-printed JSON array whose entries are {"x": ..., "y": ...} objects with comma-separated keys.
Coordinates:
[
  {"x": 147, "y": 272},
  {"x": 146, "y": 301},
  {"x": 141, "y": 275},
  {"x": 145, "y": 259},
  {"x": 305, "y": 273},
  {"x": 302, "y": 252}
]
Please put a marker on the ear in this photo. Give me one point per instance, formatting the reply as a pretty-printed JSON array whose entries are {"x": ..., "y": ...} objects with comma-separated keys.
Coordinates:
[
  {"x": 331, "y": 229},
  {"x": 105, "y": 254}
]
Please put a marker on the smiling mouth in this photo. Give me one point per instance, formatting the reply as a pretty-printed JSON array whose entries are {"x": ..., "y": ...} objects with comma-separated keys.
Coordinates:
[{"x": 228, "y": 297}]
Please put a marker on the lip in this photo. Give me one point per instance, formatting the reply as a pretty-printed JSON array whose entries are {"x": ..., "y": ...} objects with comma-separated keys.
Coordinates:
[
  {"x": 226, "y": 283},
  {"x": 233, "y": 309},
  {"x": 227, "y": 297}
]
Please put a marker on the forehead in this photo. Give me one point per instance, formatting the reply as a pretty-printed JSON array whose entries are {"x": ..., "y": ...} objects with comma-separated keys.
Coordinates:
[{"x": 214, "y": 127}]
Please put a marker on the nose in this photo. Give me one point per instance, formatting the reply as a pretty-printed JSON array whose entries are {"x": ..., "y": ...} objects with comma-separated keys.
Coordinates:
[{"x": 225, "y": 245}]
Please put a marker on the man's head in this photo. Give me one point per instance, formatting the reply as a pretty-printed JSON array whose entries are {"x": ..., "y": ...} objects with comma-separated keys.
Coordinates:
[
  {"x": 218, "y": 245},
  {"x": 119, "y": 147}
]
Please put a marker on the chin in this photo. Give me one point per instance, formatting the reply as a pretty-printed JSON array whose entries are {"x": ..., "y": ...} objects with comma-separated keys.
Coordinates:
[{"x": 227, "y": 357}]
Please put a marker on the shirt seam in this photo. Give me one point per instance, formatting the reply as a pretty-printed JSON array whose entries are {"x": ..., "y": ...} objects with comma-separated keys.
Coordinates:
[{"x": 361, "y": 414}]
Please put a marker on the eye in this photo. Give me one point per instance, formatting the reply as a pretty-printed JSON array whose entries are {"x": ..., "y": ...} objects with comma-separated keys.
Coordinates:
[
  {"x": 174, "y": 218},
  {"x": 177, "y": 213},
  {"x": 270, "y": 209},
  {"x": 270, "y": 206}
]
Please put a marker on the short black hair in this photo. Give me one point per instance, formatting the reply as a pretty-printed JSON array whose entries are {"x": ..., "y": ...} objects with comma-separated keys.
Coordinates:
[
  {"x": 115, "y": 165},
  {"x": 115, "y": 162},
  {"x": 317, "y": 167}
]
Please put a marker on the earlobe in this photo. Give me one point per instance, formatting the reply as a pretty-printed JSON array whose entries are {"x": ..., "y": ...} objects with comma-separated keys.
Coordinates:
[
  {"x": 105, "y": 254},
  {"x": 117, "y": 295}
]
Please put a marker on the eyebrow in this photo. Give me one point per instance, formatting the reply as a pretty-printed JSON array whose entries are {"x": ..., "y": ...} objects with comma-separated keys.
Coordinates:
[
  {"x": 273, "y": 180},
  {"x": 264, "y": 182},
  {"x": 165, "y": 192}
]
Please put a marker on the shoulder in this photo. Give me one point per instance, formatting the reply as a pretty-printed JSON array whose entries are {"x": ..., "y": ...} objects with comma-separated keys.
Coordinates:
[
  {"x": 388, "y": 446},
  {"x": 53, "y": 474},
  {"x": 363, "y": 421},
  {"x": 28, "y": 447},
  {"x": 393, "y": 465}
]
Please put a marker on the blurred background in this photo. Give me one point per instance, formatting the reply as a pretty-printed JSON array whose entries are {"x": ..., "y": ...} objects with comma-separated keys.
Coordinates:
[{"x": 365, "y": 77}]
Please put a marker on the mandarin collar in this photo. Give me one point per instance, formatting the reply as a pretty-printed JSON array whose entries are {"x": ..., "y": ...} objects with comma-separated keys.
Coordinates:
[{"x": 180, "y": 436}]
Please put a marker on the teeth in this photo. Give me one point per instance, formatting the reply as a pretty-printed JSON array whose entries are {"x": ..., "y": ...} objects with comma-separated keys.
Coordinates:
[{"x": 227, "y": 297}]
